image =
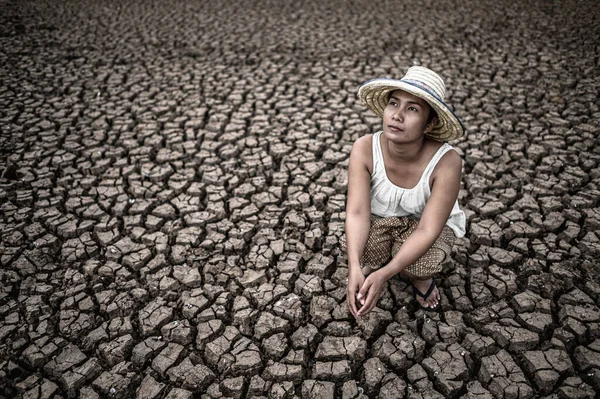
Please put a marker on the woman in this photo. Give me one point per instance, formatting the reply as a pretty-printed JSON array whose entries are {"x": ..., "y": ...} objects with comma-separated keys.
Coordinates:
[{"x": 402, "y": 212}]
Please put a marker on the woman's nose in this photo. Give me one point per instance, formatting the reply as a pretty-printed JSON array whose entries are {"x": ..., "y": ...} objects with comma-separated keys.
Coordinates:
[{"x": 398, "y": 115}]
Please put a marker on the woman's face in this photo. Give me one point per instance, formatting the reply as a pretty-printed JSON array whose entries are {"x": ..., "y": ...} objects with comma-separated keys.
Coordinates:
[{"x": 405, "y": 117}]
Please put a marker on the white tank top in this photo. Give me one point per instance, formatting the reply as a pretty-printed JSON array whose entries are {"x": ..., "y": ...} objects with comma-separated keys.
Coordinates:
[{"x": 388, "y": 200}]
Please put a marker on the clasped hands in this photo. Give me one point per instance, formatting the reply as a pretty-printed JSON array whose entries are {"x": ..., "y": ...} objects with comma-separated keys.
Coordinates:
[{"x": 363, "y": 292}]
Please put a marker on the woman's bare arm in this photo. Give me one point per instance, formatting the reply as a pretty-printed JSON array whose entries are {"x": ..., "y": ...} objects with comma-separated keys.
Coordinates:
[
  {"x": 358, "y": 215},
  {"x": 358, "y": 206}
]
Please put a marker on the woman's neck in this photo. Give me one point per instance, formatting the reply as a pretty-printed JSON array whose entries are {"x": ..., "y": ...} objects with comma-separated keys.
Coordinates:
[{"x": 406, "y": 152}]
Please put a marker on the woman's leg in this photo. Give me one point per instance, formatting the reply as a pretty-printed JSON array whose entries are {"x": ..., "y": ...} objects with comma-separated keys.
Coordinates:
[
  {"x": 377, "y": 251},
  {"x": 422, "y": 271}
]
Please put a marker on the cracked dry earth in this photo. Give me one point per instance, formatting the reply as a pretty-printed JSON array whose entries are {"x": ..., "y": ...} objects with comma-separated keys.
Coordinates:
[{"x": 173, "y": 192}]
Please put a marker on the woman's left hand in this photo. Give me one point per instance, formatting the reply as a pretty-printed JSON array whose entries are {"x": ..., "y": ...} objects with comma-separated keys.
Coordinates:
[{"x": 370, "y": 292}]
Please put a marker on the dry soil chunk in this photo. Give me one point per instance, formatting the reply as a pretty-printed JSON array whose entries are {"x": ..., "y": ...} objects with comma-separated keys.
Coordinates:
[
  {"x": 70, "y": 356},
  {"x": 503, "y": 378},
  {"x": 167, "y": 358},
  {"x": 331, "y": 371},
  {"x": 448, "y": 368},
  {"x": 312, "y": 389},
  {"x": 153, "y": 316},
  {"x": 399, "y": 347},
  {"x": 189, "y": 376},
  {"x": 150, "y": 388},
  {"x": 547, "y": 367},
  {"x": 338, "y": 348},
  {"x": 304, "y": 337},
  {"x": 283, "y": 372},
  {"x": 269, "y": 324}
]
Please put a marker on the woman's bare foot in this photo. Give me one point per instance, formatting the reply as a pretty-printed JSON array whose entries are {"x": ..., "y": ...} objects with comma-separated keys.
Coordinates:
[{"x": 422, "y": 286}]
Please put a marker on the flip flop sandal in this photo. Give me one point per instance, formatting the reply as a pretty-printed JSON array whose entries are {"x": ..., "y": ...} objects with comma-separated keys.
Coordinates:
[{"x": 425, "y": 296}]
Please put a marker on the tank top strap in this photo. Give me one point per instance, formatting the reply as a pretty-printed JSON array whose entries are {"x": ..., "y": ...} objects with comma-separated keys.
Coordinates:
[
  {"x": 434, "y": 161},
  {"x": 377, "y": 154}
]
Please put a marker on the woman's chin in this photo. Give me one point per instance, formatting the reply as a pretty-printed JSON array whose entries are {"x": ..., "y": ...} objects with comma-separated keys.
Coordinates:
[
  {"x": 394, "y": 135},
  {"x": 400, "y": 136}
]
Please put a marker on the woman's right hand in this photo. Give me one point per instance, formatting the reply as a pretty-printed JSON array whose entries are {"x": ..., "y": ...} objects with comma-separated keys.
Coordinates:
[{"x": 356, "y": 278}]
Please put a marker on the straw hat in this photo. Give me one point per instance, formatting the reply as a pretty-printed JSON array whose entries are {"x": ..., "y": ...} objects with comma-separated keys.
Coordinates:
[{"x": 421, "y": 82}]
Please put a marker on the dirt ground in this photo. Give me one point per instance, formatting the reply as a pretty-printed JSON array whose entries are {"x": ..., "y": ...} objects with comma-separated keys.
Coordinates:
[{"x": 173, "y": 181}]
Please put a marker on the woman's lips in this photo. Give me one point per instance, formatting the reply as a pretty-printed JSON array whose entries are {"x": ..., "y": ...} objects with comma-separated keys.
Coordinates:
[{"x": 395, "y": 129}]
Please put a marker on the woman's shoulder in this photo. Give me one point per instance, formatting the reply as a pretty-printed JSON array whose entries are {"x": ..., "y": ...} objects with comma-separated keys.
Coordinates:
[
  {"x": 433, "y": 145},
  {"x": 364, "y": 144},
  {"x": 362, "y": 151},
  {"x": 447, "y": 151},
  {"x": 449, "y": 160}
]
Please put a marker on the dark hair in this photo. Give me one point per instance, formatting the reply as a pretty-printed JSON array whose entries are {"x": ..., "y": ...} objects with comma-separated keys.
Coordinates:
[{"x": 432, "y": 114}]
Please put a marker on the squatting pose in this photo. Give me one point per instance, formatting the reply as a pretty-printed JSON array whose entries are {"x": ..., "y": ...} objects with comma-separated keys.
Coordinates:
[{"x": 402, "y": 213}]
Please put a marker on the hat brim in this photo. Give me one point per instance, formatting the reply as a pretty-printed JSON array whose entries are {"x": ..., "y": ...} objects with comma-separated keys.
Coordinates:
[{"x": 374, "y": 94}]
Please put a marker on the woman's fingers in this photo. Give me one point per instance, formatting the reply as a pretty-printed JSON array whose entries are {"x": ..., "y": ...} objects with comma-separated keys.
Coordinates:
[
  {"x": 351, "y": 299},
  {"x": 374, "y": 284},
  {"x": 355, "y": 281},
  {"x": 360, "y": 298},
  {"x": 369, "y": 303},
  {"x": 363, "y": 295},
  {"x": 364, "y": 290}
]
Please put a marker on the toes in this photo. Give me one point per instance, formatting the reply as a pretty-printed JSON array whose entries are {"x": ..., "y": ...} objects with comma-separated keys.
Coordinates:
[{"x": 434, "y": 300}]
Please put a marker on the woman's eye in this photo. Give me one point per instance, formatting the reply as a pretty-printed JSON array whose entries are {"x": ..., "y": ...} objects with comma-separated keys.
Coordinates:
[{"x": 412, "y": 109}]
